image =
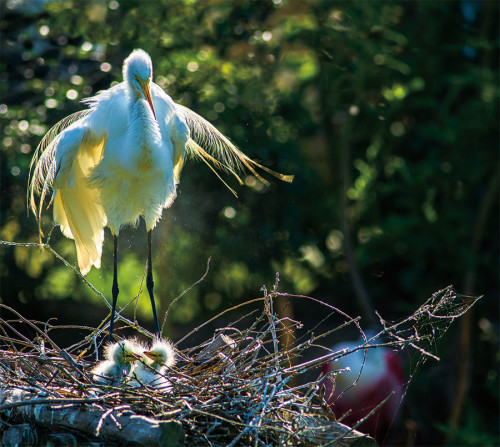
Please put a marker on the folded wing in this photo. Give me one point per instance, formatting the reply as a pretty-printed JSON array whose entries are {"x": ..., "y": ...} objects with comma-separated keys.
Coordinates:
[{"x": 62, "y": 163}]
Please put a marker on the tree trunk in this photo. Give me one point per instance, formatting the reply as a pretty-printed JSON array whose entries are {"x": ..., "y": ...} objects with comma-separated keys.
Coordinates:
[{"x": 113, "y": 426}]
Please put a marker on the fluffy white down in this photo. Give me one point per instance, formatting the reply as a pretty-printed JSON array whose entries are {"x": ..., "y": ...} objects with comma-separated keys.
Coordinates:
[
  {"x": 118, "y": 363},
  {"x": 144, "y": 374},
  {"x": 151, "y": 370}
]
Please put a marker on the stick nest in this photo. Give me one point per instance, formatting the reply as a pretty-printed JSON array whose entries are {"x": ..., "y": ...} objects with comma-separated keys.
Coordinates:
[{"x": 255, "y": 382}]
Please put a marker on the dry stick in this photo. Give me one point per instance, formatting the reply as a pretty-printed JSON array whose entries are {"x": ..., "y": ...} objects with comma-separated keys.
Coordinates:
[
  {"x": 105, "y": 415},
  {"x": 268, "y": 305},
  {"x": 266, "y": 402},
  {"x": 206, "y": 413},
  {"x": 255, "y": 422},
  {"x": 186, "y": 291},
  {"x": 315, "y": 338},
  {"x": 135, "y": 299},
  {"x": 201, "y": 406},
  {"x": 29, "y": 323},
  {"x": 255, "y": 340},
  {"x": 217, "y": 316},
  {"x": 57, "y": 401},
  {"x": 78, "y": 273},
  {"x": 44, "y": 335},
  {"x": 402, "y": 339},
  {"x": 322, "y": 303},
  {"x": 361, "y": 421},
  {"x": 26, "y": 342}
]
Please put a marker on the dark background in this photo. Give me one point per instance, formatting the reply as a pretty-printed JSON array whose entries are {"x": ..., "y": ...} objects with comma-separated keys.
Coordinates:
[{"x": 387, "y": 114}]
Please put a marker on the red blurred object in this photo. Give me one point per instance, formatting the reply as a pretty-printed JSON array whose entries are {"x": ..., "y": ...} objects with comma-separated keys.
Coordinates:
[{"x": 381, "y": 374}]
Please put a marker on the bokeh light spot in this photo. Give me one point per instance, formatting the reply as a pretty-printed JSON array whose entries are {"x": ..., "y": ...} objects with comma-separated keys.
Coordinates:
[
  {"x": 51, "y": 103},
  {"x": 23, "y": 125},
  {"x": 44, "y": 30},
  {"x": 192, "y": 66},
  {"x": 71, "y": 94},
  {"x": 105, "y": 67},
  {"x": 229, "y": 212}
]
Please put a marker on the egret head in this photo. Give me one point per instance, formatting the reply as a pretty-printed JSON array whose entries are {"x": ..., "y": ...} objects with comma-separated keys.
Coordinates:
[
  {"x": 138, "y": 74},
  {"x": 161, "y": 353},
  {"x": 122, "y": 352}
]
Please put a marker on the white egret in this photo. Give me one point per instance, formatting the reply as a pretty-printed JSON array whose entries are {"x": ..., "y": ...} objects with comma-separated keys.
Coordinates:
[
  {"x": 152, "y": 366},
  {"x": 121, "y": 159},
  {"x": 119, "y": 359}
]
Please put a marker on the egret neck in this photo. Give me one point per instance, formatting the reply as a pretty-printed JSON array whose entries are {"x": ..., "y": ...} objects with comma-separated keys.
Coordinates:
[{"x": 144, "y": 137}]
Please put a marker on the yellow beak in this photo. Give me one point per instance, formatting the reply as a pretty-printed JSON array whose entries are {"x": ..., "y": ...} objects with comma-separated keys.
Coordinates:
[
  {"x": 147, "y": 92},
  {"x": 130, "y": 357},
  {"x": 152, "y": 355}
]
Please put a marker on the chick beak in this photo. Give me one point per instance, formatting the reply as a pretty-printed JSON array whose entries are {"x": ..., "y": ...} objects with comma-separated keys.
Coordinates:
[
  {"x": 150, "y": 354},
  {"x": 131, "y": 357},
  {"x": 136, "y": 356},
  {"x": 146, "y": 90}
]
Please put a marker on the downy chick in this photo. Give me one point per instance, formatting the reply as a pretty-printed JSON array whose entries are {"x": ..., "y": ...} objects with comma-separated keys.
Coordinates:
[
  {"x": 153, "y": 365},
  {"x": 119, "y": 359}
]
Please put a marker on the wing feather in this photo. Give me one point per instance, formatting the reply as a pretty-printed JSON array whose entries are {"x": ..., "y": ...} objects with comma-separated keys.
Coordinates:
[
  {"x": 179, "y": 135},
  {"x": 43, "y": 164},
  {"x": 211, "y": 146}
]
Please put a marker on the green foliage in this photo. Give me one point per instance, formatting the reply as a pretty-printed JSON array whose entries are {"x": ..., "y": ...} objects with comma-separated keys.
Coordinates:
[{"x": 473, "y": 433}]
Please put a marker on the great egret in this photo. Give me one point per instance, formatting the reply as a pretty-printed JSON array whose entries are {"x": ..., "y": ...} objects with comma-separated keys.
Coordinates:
[
  {"x": 152, "y": 366},
  {"x": 380, "y": 375},
  {"x": 119, "y": 359},
  {"x": 121, "y": 159}
]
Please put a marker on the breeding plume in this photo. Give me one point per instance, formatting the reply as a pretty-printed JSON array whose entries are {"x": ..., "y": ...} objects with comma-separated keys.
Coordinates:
[{"x": 122, "y": 158}]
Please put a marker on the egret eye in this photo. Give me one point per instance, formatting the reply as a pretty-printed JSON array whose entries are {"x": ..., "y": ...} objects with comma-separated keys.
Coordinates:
[{"x": 141, "y": 83}]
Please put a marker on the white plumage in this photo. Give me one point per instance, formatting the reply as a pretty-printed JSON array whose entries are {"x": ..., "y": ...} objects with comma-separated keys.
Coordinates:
[
  {"x": 115, "y": 163},
  {"x": 150, "y": 370},
  {"x": 119, "y": 359},
  {"x": 122, "y": 159}
]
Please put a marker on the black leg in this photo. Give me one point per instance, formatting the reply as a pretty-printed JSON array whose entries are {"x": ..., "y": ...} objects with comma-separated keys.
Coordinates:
[
  {"x": 150, "y": 284},
  {"x": 114, "y": 290}
]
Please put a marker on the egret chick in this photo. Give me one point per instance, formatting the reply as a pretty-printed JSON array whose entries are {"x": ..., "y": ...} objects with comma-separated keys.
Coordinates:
[
  {"x": 162, "y": 354},
  {"x": 153, "y": 364},
  {"x": 119, "y": 359}
]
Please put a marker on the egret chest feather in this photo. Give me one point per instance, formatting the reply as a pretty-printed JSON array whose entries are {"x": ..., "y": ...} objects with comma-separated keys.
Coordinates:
[{"x": 145, "y": 161}]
